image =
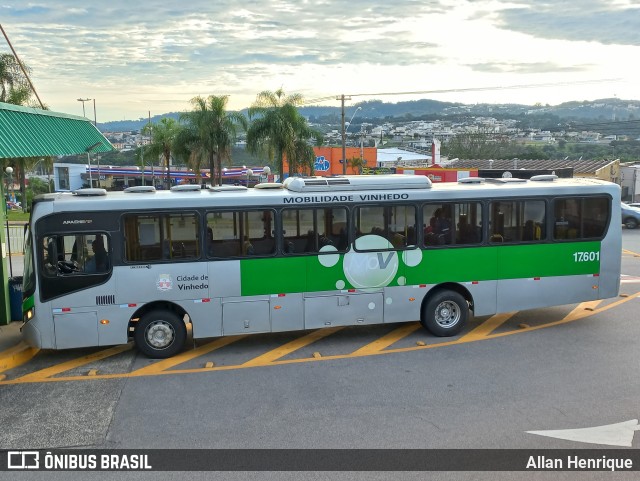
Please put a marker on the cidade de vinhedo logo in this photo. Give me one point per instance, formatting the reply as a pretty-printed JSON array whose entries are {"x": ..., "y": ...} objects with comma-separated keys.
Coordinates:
[{"x": 164, "y": 283}]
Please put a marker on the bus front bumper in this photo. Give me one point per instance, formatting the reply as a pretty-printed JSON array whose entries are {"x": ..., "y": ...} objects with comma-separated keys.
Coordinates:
[{"x": 31, "y": 335}]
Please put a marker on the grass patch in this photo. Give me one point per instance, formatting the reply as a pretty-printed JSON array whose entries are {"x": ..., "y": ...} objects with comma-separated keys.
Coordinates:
[{"x": 17, "y": 215}]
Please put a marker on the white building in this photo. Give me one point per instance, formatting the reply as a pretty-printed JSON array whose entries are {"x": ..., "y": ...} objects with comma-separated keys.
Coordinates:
[
  {"x": 68, "y": 177},
  {"x": 630, "y": 183}
]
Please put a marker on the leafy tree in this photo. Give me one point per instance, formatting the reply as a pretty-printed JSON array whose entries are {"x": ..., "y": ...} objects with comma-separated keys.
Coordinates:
[
  {"x": 477, "y": 145},
  {"x": 163, "y": 135},
  {"x": 277, "y": 127},
  {"x": 209, "y": 133}
]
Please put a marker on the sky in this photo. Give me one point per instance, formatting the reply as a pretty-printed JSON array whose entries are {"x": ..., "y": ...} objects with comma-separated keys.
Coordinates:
[{"x": 136, "y": 57}]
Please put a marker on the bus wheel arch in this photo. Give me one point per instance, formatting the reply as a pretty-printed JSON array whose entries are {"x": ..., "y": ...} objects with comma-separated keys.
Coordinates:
[
  {"x": 160, "y": 330},
  {"x": 445, "y": 309}
]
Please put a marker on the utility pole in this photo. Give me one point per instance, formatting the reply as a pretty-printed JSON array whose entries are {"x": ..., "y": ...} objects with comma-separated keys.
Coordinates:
[
  {"x": 342, "y": 98},
  {"x": 95, "y": 124},
  {"x": 153, "y": 173}
]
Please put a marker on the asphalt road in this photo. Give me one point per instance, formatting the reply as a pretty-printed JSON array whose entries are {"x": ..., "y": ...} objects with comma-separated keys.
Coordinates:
[{"x": 484, "y": 394}]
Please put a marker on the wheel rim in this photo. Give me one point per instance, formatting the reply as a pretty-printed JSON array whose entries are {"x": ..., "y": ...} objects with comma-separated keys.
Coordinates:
[
  {"x": 160, "y": 334},
  {"x": 448, "y": 314}
]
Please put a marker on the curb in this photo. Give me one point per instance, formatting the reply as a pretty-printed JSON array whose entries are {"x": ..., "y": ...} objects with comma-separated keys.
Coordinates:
[{"x": 16, "y": 356}]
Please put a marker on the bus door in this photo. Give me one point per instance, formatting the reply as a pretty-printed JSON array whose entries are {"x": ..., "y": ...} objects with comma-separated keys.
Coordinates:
[{"x": 239, "y": 245}]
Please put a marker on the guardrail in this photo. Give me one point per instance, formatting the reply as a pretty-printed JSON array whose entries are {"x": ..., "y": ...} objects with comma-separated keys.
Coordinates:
[{"x": 15, "y": 240}]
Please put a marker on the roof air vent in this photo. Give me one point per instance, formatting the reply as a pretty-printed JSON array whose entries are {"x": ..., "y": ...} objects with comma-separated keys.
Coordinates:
[
  {"x": 506, "y": 180},
  {"x": 544, "y": 178},
  {"x": 269, "y": 185},
  {"x": 90, "y": 192},
  {"x": 471, "y": 180},
  {"x": 186, "y": 188},
  {"x": 227, "y": 188},
  {"x": 140, "y": 189}
]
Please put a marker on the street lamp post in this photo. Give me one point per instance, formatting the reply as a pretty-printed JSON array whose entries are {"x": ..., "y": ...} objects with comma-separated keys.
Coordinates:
[
  {"x": 9, "y": 172},
  {"x": 83, "y": 101},
  {"x": 89, "y": 149}
]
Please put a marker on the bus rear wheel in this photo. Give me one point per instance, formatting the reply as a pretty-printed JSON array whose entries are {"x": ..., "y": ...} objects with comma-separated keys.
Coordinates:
[
  {"x": 445, "y": 313},
  {"x": 160, "y": 334}
]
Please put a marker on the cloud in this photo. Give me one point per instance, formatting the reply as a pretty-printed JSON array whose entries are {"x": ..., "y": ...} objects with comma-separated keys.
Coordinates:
[
  {"x": 531, "y": 67},
  {"x": 600, "y": 21},
  {"x": 130, "y": 53}
]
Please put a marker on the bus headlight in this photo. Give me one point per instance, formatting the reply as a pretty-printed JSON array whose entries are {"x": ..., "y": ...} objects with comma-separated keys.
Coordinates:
[{"x": 28, "y": 315}]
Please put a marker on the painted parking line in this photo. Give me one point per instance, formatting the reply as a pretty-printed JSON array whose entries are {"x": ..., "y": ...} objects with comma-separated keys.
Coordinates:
[
  {"x": 290, "y": 347},
  {"x": 274, "y": 357},
  {"x": 583, "y": 308},
  {"x": 183, "y": 357},
  {"x": 16, "y": 356},
  {"x": 43, "y": 374},
  {"x": 487, "y": 327},
  {"x": 387, "y": 340}
]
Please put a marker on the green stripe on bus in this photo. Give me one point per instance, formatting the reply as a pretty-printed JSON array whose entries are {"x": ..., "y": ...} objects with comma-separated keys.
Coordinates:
[
  {"x": 28, "y": 303},
  {"x": 429, "y": 266}
]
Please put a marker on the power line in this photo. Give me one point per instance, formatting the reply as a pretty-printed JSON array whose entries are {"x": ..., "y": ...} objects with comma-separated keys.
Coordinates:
[{"x": 469, "y": 89}]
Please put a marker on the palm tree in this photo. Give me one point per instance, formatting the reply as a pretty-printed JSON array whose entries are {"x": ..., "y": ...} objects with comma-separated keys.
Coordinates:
[
  {"x": 210, "y": 132},
  {"x": 189, "y": 148},
  {"x": 14, "y": 87},
  {"x": 163, "y": 136},
  {"x": 357, "y": 163},
  {"x": 302, "y": 159},
  {"x": 278, "y": 127}
]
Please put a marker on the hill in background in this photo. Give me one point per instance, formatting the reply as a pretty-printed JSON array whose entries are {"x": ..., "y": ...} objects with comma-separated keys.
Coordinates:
[{"x": 377, "y": 111}]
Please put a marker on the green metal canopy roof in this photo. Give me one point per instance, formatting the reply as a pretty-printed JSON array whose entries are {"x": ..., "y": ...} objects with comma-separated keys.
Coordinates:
[{"x": 29, "y": 132}]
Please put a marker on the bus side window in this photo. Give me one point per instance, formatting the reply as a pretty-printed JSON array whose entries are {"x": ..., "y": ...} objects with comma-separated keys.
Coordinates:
[{"x": 240, "y": 234}]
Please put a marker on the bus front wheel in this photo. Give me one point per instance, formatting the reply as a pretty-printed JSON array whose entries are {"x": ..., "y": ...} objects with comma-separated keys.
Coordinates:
[
  {"x": 445, "y": 313},
  {"x": 160, "y": 334}
]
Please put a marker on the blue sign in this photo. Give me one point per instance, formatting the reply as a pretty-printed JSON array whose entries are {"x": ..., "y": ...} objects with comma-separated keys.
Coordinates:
[{"x": 321, "y": 164}]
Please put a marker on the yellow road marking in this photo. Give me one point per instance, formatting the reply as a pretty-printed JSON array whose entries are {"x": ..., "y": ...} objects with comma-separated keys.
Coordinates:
[
  {"x": 582, "y": 309},
  {"x": 454, "y": 342},
  {"x": 292, "y": 346},
  {"x": 16, "y": 356},
  {"x": 387, "y": 340},
  {"x": 635, "y": 254},
  {"x": 74, "y": 363},
  {"x": 487, "y": 327},
  {"x": 186, "y": 356}
]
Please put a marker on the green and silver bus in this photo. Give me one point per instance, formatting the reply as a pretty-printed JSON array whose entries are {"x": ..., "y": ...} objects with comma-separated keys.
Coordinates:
[{"x": 102, "y": 268}]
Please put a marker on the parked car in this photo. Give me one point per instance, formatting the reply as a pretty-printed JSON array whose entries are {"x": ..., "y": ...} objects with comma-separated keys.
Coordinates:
[
  {"x": 630, "y": 216},
  {"x": 11, "y": 205},
  {"x": 634, "y": 204}
]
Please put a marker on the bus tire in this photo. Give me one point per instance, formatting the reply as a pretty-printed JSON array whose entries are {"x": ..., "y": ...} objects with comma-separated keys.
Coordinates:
[
  {"x": 445, "y": 313},
  {"x": 160, "y": 334}
]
